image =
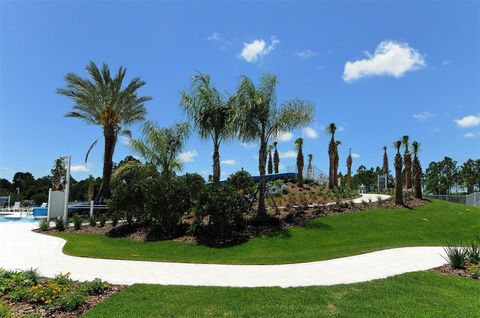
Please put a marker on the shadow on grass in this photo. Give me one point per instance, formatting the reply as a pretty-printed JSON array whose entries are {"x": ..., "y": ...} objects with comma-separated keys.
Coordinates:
[{"x": 318, "y": 226}]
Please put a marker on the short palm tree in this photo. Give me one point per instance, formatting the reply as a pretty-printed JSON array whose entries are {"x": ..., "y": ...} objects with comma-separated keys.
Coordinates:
[
  {"x": 331, "y": 154},
  {"x": 211, "y": 114},
  {"x": 398, "y": 173},
  {"x": 310, "y": 166},
  {"x": 270, "y": 161},
  {"x": 299, "y": 146},
  {"x": 407, "y": 161},
  {"x": 259, "y": 118},
  {"x": 276, "y": 158},
  {"x": 336, "y": 163},
  {"x": 160, "y": 147},
  {"x": 349, "y": 168},
  {"x": 417, "y": 170},
  {"x": 103, "y": 101}
]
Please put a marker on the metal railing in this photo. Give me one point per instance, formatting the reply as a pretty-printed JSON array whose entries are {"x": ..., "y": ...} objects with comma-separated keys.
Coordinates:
[
  {"x": 311, "y": 173},
  {"x": 472, "y": 199}
]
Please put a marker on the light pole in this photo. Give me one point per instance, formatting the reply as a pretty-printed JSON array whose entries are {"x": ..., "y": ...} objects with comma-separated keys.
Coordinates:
[{"x": 67, "y": 187}]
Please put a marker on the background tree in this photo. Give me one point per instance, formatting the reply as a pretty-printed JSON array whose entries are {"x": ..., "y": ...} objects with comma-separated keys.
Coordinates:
[
  {"x": 160, "y": 147},
  {"x": 211, "y": 114},
  {"x": 349, "y": 169},
  {"x": 300, "y": 163},
  {"x": 310, "y": 166},
  {"x": 270, "y": 161},
  {"x": 276, "y": 158},
  {"x": 91, "y": 188},
  {"x": 441, "y": 176},
  {"x": 102, "y": 101},
  {"x": 469, "y": 175},
  {"x": 398, "y": 173},
  {"x": 336, "y": 163},
  {"x": 58, "y": 175},
  {"x": 417, "y": 170},
  {"x": 258, "y": 118},
  {"x": 407, "y": 160},
  {"x": 365, "y": 176},
  {"x": 331, "y": 154}
]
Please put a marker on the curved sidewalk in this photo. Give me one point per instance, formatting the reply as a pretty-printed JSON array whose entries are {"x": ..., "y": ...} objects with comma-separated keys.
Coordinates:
[{"x": 20, "y": 248}]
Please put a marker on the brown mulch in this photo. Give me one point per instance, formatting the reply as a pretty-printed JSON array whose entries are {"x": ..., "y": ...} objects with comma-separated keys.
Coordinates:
[
  {"x": 278, "y": 221},
  {"x": 449, "y": 270},
  {"x": 24, "y": 308}
]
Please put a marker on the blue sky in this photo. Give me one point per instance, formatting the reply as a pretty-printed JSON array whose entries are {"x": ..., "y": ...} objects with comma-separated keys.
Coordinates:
[{"x": 378, "y": 69}]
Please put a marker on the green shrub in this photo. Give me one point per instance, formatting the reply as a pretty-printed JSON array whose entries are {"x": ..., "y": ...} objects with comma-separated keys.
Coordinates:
[
  {"x": 45, "y": 293},
  {"x": 114, "y": 219},
  {"x": 194, "y": 185},
  {"x": 224, "y": 207},
  {"x": 473, "y": 253},
  {"x": 4, "y": 312},
  {"x": 95, "y": 287},
  {"x": 92, "y": 221},
  {"x": 59, "y": 224},
  {"x": 77, "y": 222},
  {"x": 63, "y": 279},
  {"x": 457, "y": 257},
  {"x": 70, "y": 301},
  {"x": 243, "y": 182},
  {"x": 474, "y": 270},
  {"x": 102, "y": 219},
  {"x": 44, "y": 226},
  {"x": 19, "y": 293}
]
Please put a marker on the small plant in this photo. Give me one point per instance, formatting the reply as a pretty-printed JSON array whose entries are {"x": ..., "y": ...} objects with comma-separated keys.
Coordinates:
[
  {"x": 457, "y": 257},
  {"x": 473, "y": 253},
  {"x": 63, "y": 279},
  {"x": 92, "y": 220},
  {"x": 70, "y": 301},
  {"x": 474, "y": 270},
  {"x": 102, "y": 219},
  {"x": 45, "y": 293},
  {"x": 77, "y": 222},
  {"x": 95, "y": 287},
  {"x": 59, "y": 224},
  {"x": 44, "y": 226},
  {"x": 114, "y": 219},
  {"x": 194, "y": 227}
]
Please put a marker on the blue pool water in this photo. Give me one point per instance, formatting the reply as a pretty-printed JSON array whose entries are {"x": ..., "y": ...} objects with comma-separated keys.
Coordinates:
[{"x": 28, "y": 219}]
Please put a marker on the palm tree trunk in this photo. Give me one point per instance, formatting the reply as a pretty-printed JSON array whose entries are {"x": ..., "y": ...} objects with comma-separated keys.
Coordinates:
[
  {"x": 331, "y": 168},
  {"x": 109, "y": 135},
  {"x": 417, "y": 178},
  {"x": 216, "y": 161},
  {"x": 398, "y": 179},
  {"x": 276, "y": 161},
  {"x": 262, "y": 158}
]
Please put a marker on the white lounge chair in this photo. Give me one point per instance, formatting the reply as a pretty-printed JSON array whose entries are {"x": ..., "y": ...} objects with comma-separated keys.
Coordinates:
[{"x": 15, "y": 207}]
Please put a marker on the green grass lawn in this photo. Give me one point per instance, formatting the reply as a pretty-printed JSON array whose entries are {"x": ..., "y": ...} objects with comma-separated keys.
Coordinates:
[
  {"x": 437, "y": 223},
  {"x": 421, "y": 294}
]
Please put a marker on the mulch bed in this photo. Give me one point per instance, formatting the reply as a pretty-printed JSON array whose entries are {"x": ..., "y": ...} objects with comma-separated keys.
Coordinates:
[
  {"x": 284, "y": 219},
  {"x": 449, "y": 270},
  {"x": 24, "y": 308}
]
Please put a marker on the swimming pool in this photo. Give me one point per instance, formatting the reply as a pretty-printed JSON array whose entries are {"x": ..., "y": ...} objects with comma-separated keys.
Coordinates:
[{"x": 28, "y": 219}]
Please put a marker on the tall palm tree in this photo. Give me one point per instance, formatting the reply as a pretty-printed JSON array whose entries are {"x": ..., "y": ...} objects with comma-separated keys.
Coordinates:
[
  {"x": 398, "y": 173},
  {"x": 349, "y": 169},
  {"x": 407, "y": 161},
  {"x": 331, "y": 154},
  {"x": 385, "y": 169},
  {"x": 211, "y": 114},
  {"x": 299, "y": 146},
  {"x": 259, "y": 118},
  {"x": 160, "y": 147},
  {"x": 417, "y": 170},
  {"x": 276, "y": 158},
  {"x": 310, "y": 166},
  {"x": 336, "y": 163},
  {"x": 103, "y": 101},
  {"x": 270, "y": 161}
]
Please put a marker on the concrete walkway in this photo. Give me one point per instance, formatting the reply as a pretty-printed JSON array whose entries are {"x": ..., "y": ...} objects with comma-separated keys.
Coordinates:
[{"x": 20, "y": 248}]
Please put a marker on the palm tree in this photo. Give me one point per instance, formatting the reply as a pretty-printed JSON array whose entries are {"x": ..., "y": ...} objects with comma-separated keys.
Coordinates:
[
  {"x": 407, "y": 161},
  {"x": 385, "y": 161},
  {"x": 417, "y": 170},
  {"x": 102, "y": 101},
  {"x": 211, "y": 114},
  {"x": 398, "y": 173},
  {"x": 270, "y": 161},
  {"x": 310, "y": 167},
  {"x": 331, "y": 154},
  {"x": 276, "y": 158},
  {"x": 160, "y": 147},
  {"x": 259, "y": 118},
  {"x": 298, "y": 146},
  {"x": 336, "y": 162},
  {"x": 349, "y": 169}
]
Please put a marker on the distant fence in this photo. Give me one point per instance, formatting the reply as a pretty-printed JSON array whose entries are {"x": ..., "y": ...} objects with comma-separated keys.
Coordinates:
[{"x": 472, "y": 199}]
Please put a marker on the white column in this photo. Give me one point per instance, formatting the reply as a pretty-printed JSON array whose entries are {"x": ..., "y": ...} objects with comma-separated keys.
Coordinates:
[
  {"x": 67, "y": 190},
  {"x": 91, "y": 208}
]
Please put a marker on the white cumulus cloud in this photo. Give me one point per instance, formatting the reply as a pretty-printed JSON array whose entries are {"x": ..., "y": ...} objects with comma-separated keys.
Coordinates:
[
  {"x": 472, "y": 134},
  {"x": 390, "y": 59},
  {"x": 78, "y": 168},
  {"x": 283, "y": 136},
  {"x": 288, "y": 154},
  {"x": 468, "y": 121},
  {"x": 188, "y": 156},
  {"x": 248, "y": 144},
  {"x": 423, "y": 116},
  {"x": 257, "y": 49},
  {"x": 306, "y": 54},
  {"x": 355, "y": 155},
  {"x": 309, "y": 132},
  {"x": 230, "y": 162}
]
